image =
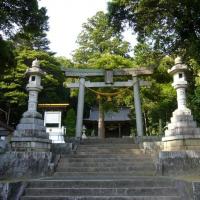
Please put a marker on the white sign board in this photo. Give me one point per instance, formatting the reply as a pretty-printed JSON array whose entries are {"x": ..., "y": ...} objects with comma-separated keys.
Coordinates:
[{"x": 52, "y": 117}]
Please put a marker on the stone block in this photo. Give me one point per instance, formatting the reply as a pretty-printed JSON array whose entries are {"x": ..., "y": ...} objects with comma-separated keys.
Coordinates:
[
  {"x": 32, "y": 121},
  {"x": 155, "y": 146},
  {"x": 192, "y": 142},
  {"x": 181, "y": 118},
  {"x": 30, "y": 144},
  {"x": 182, "y": 124},
  {"x": 24, "y": 164},
  {"x": 31, "y": 127},
  {"x": 184, "y": 144},
  {"x": 179, "y": 162},
  {"x": 32, "y": 114},
  {"x": 31, "y": 133}
]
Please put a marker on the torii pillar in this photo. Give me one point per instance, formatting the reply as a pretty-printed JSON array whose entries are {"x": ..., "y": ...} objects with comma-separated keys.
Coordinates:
[
  {"x": 138, "y": 107},
  {"x": 80, "y": 107}
]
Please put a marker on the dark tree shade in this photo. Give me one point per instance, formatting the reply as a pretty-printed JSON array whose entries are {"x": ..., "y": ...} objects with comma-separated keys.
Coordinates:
[
  {"x": 169, "y": 25},
  {"x": 24, "y": 22},
  {"x": 22, "y": 14}
]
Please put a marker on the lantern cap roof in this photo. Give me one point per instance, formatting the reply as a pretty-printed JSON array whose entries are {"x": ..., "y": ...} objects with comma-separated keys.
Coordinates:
[
  {"x": 178, "y": 67},
  {"x": 36, "y": 63},
  {"x": 178, "y": 60}
]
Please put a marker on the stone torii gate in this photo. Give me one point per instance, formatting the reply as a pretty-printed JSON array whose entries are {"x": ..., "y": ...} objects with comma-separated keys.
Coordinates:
[{"x": 108, "y": 75}]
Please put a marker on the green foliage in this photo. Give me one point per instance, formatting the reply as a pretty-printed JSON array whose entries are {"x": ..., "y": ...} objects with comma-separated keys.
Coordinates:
[
  {"x": 98, "y": 38},
  {"x": 101, "y": 48},
  {"x": 53, "y": 79},
  {"x": 110, "y": 61},
  {"x": 24, "y": 22},
  {"x": 170, "y": 25},
  {"x": 70, "y": 123},
  {"x": 23, "y": 25},
  {"x": 13, "y": 82},
  {"x": 7, "y": 56},
  {"x": 159, "y": 100},
  {"x": 64, "y": 62}
]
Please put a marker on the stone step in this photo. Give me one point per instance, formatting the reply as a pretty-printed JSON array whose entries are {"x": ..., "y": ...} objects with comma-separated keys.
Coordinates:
[
  {"x": 104, "y": 174},
  {"x": 124, "y": 159},
  {"x": 136, "y": 191},
  {"x": 66, "y": 163},
  {"x": 93, "y": 155},
  {"x": 108, "y": 146},
  {"x": 139, "y": 182},
  {"x": 110, "y": 151},
  {"x": 101, "y": 198},
  {"x": 107, "y": 141},
  {"x": 105, "y": 169}
]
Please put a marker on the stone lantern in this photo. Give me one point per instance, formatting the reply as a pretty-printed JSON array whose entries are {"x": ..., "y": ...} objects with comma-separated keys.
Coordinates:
[
  {"x": 180, "y": 85},
  {"x": 182, "y": 133},
  {"x": 33, "y": 87},
  {"x": 30, "y": 133}
]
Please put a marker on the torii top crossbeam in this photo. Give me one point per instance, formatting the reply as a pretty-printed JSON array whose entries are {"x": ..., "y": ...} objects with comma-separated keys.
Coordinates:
[{"x": 72, "y": 72}]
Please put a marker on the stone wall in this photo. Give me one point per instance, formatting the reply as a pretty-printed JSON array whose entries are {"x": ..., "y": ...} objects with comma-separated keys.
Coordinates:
[
  {"x": 185, "y": 189},
  {"x": 24, "y": 164},
  {"x": 12, "y": 190},
  {"x": 61, "y": 148},
  {"x": 196, "y": 190},
  {"x": 153, "y": 147},
  {"x": 179, "y": 163},
  {"x": 142, "y": 139}
]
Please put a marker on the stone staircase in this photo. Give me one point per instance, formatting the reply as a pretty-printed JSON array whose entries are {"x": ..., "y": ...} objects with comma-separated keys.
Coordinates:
[{"x": 104, "y": 169}]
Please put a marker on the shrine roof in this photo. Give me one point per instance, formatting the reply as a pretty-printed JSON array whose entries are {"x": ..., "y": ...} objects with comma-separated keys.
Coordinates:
[{"x": 53, "y": 105}]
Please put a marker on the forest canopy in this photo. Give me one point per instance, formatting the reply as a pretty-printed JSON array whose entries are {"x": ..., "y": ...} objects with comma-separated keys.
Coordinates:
[{"x": 164, "y": 30}]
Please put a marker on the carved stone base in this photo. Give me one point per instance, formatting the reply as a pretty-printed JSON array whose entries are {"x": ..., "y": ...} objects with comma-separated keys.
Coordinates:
[
  {"x": 30, "y": 134},
  {"x": 182, "y": 133},
  {"x": 177, "y": 144},
  {"x": 30, "y": 144}
]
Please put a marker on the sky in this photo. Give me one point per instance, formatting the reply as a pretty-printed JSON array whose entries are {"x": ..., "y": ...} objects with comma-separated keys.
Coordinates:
[{"x": 65, "y": 22}]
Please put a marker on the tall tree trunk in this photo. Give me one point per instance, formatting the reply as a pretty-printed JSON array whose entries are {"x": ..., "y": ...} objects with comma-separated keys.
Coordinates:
[
  {"x": 8, "y": 116},
  {"x": 146, "y": 123},
  {"x": 101, "y": 125}
]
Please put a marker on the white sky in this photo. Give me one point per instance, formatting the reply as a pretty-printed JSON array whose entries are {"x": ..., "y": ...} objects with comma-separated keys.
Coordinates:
[{"x": 65, "y": 22}]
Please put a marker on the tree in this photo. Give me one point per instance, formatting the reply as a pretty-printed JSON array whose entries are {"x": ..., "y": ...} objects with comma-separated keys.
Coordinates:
[
  {"x": 96, "y": 39},
  {"x": 70, "y": 123},
  {"x": 156, "y": 101},
  {"x": 23, "y": 24},
  {"x": 24, "y": 21},
  {"x": 13, "y": 95},
  {"x": 7, "y": 55},
  {"x": 170, "y": 25},
  {"x": 101, "y": 47}
]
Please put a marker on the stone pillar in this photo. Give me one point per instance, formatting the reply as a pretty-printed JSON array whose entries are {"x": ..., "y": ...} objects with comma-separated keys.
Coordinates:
[
  {"x": 138, "y": 109},
  {"x": 80, "y": 108}
]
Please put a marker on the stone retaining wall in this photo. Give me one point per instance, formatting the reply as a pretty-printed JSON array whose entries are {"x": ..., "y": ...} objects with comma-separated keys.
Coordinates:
[
  {"x": 179, "y": 162},
  {"x": 12, "y": 190},
  {"x": 24, "y": 164}
]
